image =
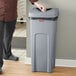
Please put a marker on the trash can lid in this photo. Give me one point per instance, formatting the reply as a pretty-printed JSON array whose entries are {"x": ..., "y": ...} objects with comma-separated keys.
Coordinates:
[{"x": 49, "y": 13}]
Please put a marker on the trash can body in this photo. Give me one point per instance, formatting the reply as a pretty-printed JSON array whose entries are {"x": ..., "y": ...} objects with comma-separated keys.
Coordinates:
[{"x": 42, "y": 39}]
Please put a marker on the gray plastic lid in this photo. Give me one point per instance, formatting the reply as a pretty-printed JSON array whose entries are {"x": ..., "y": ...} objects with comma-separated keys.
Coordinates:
[{"x": 49, "y": 13}]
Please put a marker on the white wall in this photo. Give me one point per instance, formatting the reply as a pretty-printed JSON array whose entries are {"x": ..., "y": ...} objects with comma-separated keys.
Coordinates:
[
  {"x": 66, "y": 29},
  {"x": 21, "y": 9}
]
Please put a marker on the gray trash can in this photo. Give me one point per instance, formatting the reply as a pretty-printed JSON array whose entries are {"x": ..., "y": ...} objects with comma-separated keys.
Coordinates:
[{"x": 42, "y": 39}]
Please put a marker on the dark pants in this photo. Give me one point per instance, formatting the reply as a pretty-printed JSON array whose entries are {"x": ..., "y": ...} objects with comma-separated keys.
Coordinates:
[{"x": 6, "y": 33}]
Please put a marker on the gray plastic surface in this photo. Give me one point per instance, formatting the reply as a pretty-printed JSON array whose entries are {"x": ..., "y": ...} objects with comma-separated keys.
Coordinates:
[
  {"x": 49, "y": 13},
  {"x": 42, "y": 40}
]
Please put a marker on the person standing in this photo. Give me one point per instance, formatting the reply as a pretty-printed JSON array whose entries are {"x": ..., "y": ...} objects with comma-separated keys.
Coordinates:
[{"x": 8, "y": 16}]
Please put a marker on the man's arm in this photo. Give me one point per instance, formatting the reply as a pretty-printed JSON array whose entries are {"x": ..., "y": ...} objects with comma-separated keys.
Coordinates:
[{"x": 40, "y": 6}]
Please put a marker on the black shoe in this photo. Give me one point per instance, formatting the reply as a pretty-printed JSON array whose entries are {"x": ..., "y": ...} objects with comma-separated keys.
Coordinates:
[
  {"x": 0, "y": 70},
  {"x": 12, "y": 57}
]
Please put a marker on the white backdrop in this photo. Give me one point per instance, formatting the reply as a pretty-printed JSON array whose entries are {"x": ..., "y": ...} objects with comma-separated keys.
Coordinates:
[{"x": 21, "y": 9}]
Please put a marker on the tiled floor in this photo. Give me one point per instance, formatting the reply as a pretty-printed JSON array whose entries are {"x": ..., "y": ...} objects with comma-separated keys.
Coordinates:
[{"x": 20, "y": 31}]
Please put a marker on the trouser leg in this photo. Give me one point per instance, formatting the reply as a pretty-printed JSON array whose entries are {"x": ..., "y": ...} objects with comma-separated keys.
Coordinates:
[
  {"x": 1, "y": 42},
  {"x": 8, "y": 34}
]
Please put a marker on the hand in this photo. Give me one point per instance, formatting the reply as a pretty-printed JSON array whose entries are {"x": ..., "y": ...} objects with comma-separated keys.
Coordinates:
[{"x": 40, "y": 6}]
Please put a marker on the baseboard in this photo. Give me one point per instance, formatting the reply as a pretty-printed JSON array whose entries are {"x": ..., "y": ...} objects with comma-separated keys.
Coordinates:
[
  {"x": 59, "y": 62},
  {"x": 66, "y": 62},
  {"x": 27, "y": 60}
]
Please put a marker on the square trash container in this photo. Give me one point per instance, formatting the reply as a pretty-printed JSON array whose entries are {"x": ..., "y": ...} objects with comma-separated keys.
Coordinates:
[{"x": 42, "y": 38}]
